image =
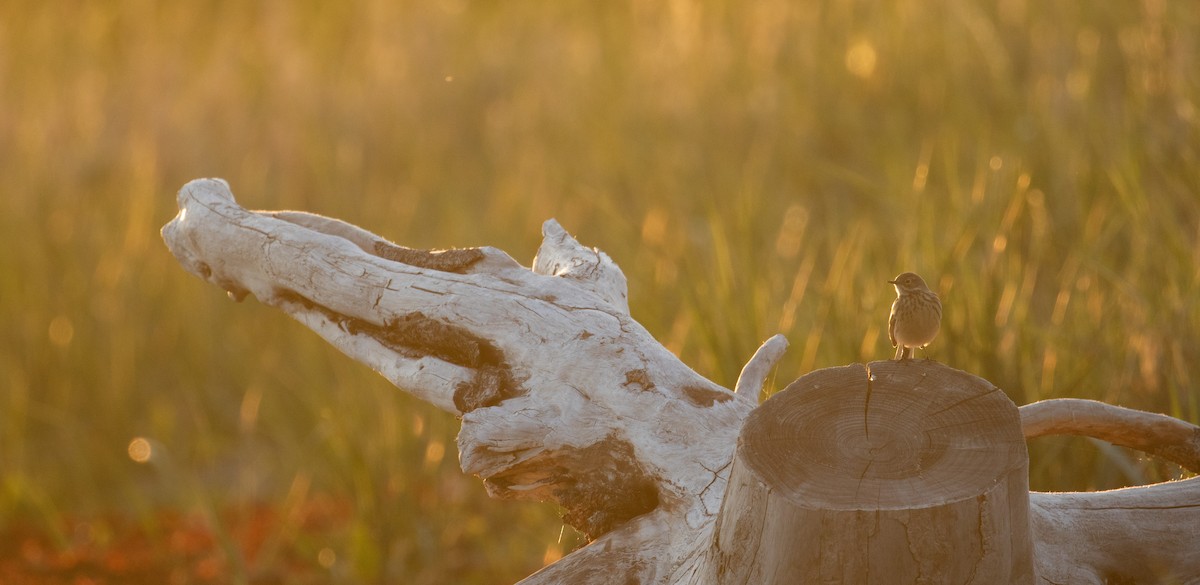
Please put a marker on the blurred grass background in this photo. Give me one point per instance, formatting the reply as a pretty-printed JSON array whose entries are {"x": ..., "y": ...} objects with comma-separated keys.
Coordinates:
[{"x": 754, "y": 168}]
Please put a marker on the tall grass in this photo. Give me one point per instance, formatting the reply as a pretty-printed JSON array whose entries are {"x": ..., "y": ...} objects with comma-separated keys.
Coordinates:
[{"x": 754, "y": 168}]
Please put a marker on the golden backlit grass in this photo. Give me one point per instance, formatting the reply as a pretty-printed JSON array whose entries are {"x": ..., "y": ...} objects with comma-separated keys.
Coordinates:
[{"x": 754, "y": 168}]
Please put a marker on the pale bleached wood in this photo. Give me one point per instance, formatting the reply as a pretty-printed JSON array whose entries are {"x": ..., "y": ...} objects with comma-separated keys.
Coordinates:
[
  {"x": 564, "y": 397},
  {"x": 561, "y": 255},
  {"x": 1146, "y": 534},
  {"x": 1166, "y": 437},
  {"x": 751, "y": 382}
]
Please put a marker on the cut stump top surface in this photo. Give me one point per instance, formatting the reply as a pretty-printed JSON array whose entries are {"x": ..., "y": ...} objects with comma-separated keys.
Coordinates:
[{"x": 887, "y": 435}]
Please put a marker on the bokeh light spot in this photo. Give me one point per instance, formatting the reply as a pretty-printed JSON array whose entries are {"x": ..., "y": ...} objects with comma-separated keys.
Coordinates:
[
  {"x": 434, "y": 453},
  {"x": 61, "y": 331},
  {"x": 861, "y": 58},
  {"x": 140, "y": 450}
]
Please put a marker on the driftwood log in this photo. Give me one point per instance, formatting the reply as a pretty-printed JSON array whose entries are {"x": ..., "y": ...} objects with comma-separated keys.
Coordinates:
[{"x": 880, "y": 473}]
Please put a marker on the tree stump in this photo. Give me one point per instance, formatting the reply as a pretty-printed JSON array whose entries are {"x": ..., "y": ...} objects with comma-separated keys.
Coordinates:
[{"x": 897, "y": 472}]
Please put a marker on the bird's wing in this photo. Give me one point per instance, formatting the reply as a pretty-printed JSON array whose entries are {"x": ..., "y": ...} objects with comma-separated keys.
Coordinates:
[{"x": 892, "y": 325}]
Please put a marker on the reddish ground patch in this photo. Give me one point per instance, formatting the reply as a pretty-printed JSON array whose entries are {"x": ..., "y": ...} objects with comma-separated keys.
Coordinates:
[{"x": 266, "y": 544}]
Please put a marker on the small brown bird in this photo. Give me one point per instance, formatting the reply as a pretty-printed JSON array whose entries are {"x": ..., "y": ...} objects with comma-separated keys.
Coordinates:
[{"x": 916, "y": 315}]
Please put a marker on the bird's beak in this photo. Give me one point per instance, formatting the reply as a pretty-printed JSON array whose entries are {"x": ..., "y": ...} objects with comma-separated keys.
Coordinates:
[{"x": 891, "y": 282}]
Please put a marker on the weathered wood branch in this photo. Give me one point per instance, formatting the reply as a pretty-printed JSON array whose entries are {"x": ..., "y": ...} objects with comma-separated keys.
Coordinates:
[
  {"x": 564, "y": 397},
  {"x": 1148, "y": 534},
  {"x": 1165, "y": 437}
]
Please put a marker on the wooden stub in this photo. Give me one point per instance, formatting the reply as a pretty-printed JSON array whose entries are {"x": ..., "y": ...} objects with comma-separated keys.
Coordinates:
[{"x": 892, "y": 473}]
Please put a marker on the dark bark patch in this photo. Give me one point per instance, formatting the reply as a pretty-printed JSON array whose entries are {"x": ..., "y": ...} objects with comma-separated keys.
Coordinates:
[
  {"x": 417, "y": 335},
  {"x": 640, "y": 379},
  {"x": 600, "y": 487},
  {"x": 610, "y": 488},
  {"x": 704, "y": 397},
  {"x": 491, "y": 385},
  {"x": 493, "y": 381},
  {"x": 444, "y": 341},
  {"x": 456, "y": 260}
]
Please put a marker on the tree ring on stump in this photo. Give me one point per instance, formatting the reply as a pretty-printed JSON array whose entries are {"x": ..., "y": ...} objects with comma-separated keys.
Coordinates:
[{"x": 890, "y": 435}]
